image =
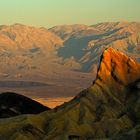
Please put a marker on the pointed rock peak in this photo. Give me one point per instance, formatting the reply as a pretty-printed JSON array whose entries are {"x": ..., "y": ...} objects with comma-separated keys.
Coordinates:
[{"x": 116, "y": 67}]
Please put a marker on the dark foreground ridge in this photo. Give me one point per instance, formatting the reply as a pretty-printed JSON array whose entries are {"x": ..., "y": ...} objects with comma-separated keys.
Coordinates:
[
  {"x": 12, "y": 104},
  {"x": 108, "y": 109}
]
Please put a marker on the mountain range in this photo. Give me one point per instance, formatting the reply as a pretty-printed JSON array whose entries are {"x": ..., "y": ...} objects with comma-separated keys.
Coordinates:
[
  {"x": 85, "y": 44},
  {"x": 62, "y": 58},
  {"x": 75, "y": 46},
  {"x": 108, "y": 109}
]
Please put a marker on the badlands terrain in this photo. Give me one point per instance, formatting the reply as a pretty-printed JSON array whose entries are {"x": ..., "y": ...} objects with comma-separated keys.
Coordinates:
[{"x": 109, "y": 109}]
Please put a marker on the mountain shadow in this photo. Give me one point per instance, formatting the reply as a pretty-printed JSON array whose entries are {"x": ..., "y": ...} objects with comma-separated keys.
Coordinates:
[{"x": 13, "y": 104}]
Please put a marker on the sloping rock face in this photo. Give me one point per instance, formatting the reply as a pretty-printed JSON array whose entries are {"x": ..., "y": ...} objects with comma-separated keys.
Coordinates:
[
  {"x": 108, "y": 109},
  {"x": 12, "y": 104}
]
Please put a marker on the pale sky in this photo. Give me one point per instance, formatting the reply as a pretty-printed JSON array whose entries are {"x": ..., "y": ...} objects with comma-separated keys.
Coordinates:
[{"x": 48, "y": 13}]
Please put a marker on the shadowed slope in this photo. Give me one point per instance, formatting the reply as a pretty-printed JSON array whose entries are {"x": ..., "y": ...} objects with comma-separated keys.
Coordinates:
[{"x": 12, "y": 104}]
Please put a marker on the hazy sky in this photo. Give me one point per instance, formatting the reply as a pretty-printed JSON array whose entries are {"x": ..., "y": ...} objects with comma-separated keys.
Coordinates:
[{"x": 49, "y": 13}]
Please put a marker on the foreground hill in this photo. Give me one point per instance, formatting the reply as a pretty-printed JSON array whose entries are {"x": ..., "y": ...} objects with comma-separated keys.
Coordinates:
[
  {"x": 12, "y": 104},
  {"x": 108, "y": 109}
]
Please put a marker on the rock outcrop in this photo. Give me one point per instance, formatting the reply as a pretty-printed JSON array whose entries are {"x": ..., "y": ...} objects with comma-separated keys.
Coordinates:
[{"x": 108, "y": 109}]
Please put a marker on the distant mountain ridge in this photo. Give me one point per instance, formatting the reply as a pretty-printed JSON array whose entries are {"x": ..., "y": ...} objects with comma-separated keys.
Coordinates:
[
  {"x": 87, "y": 43},
  {"x": 108, "y": 109},
  {"x": 82, "y": 42},
  {"x": 48, "y": 55},
  {"x": 24, "y": 48}
]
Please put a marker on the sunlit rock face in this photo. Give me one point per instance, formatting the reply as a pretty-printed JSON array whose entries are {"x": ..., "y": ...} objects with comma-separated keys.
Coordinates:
[
  {"x": 108, "y": 109},
  {"x": 116, "y": 70}
]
